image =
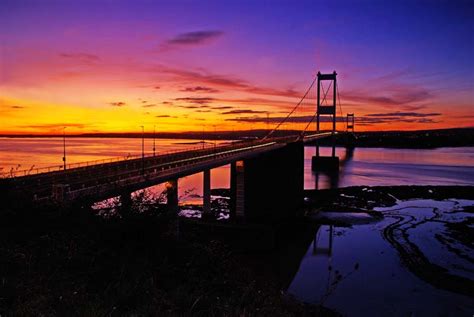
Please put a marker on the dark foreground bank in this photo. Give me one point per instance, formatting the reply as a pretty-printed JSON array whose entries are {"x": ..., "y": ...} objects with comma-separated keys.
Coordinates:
[
  {"x": 81, "y": 264},
  {"x": 76, "y": 263}
]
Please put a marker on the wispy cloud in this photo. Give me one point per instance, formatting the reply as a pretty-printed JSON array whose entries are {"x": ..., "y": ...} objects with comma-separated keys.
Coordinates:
[
  {"x": 243, "y": 111},
  {"x": 118, "y": 103},
  {"x": 370, "y": 119},
  {"x": 194, "y": 38},
  {"x": 190, "y": 39},
  {"x": 224, "y": 81},
  {"x": 199, "y": 89},
  {"x": 56, "y": 126},
  {"x": 196, "y": 100},
  {"x": 222, "y": 107},
  {"x": 149, "y": 105},
  {"x": 404, "y": 114}
]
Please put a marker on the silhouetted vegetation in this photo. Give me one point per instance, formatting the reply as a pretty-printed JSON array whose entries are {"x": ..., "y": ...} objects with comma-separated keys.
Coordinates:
[{"x": 77, "y": 263}]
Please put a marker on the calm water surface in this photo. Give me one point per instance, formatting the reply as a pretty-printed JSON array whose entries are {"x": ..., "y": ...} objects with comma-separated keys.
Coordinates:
[
  {"x": 385, "y": 167},
  {"x": 363, "y": 166},
  {"x": 359, "y": 272}
]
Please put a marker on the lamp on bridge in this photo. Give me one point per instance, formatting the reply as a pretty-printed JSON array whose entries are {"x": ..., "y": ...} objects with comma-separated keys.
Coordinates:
[
  {"x": 143, "y": 148},
  {"x": 64, "y": 147},
  {"x": 154, "y": 130}
]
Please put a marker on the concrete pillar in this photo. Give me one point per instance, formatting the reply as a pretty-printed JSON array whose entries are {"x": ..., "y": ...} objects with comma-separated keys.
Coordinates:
[
  {"x": 274, "y": 184},
  {"x": 60, "y": 193},
  {"x": 206, "y": 190},
  {"x": 172, "y": 195},
  {"x": 237, "y": 190},
  {"x": 125, "y": 209}
]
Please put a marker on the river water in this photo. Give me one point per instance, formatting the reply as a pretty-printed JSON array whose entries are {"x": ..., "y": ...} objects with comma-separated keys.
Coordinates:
[{"x": 362, "y": 166}]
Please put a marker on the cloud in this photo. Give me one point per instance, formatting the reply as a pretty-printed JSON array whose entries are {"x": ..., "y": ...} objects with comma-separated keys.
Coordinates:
[
  {"x": 404, "y": 114},
  {"x": 200, "y": 89},
  {"x": 222, "y": 107},
  {"x": 243, "y": 111},
  {"x": 194, "y": 38},
  {"x": 224, "y": 81},
  {"x": 118, "y": 103},
  {"x": 192, "y": 106},
  {"x": 17, "y": 107},
  {"x": 82, "y": 57},
  {"x": 398, "y": 95},
  {"x": 370, "y": 119},
  {"x": 157, "y": 87},
  {"x": 166, "y": 102},
  {"x": 295, "y": 119},
  {"x": 163, "y": 116},
  {"x": 196, "y": 100},
  {"x": 149, "y": 105},
  {"x": 56, "y": 126}
]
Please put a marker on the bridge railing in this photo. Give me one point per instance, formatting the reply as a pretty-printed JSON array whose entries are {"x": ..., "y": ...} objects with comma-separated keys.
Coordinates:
[{"x": 56, "y": 168}]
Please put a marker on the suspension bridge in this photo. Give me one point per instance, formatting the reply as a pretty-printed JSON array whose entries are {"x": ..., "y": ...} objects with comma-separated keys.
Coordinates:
[{"x": 272, "y": 165}]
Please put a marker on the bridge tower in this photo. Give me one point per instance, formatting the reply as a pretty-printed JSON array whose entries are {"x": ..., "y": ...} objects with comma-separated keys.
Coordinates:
[
  {"x": 350, "y": 122},
  {"x": 326, "y": 106}
]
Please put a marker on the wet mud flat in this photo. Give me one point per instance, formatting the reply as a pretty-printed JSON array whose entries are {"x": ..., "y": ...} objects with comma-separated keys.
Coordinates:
[{"x": 404, "y": 250}]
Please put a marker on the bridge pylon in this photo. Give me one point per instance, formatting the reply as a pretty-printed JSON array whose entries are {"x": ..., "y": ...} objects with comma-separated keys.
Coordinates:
[
  {"x": 325, "y": 106},
  {"x": 350, "y": 122}
]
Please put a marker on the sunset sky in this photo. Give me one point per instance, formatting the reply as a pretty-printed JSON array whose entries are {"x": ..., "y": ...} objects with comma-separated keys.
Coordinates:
[{"x": 112, "y": 66}]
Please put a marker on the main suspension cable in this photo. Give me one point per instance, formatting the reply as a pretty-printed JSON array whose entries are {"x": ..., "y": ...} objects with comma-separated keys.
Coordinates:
[{"x": 293, "y": 110}]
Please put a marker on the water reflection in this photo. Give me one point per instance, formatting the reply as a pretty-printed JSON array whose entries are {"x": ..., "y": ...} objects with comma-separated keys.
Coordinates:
[
  {"x": 358, "y": 272},
  {"x": 389, "y": 167},
  {"x": 359, "y": 166},
  {"x": 329, "y": 178},
  {"x": 319, "y": 246},
  {"x": 44, "y": 152}
]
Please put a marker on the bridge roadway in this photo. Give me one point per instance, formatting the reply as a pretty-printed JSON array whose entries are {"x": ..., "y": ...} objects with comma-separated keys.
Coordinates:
[{"x": 96, "y": 182}]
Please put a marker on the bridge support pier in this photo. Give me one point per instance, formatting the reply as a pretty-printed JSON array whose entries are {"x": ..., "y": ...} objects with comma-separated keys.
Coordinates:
[
  {"x": 237, "y": 190},
  {"x": 125, "y": 209},
  {"x": 172, "y": 196},
  {"x": 269, "y": 187},
  {"x": 325, "y": 163},
  {"x": 206, "y": 189}
]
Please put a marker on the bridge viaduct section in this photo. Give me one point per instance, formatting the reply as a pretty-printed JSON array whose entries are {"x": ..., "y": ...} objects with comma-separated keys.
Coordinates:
[
  {"x": 266, "y": 180},
  {"x": 269, "y": 187}
]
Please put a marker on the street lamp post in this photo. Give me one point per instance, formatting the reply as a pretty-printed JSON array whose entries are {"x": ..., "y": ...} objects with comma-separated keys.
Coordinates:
[
  {"x": 215, "y": 138},
  {"x": 154, "y": 130},
  {"x": 203, "y": 141},
  {"x": 64, "y": 147},
  {"x": 143, "y": 148}
]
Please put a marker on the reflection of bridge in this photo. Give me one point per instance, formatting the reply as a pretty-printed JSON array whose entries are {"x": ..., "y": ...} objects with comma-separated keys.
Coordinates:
[{"x": 270, "y": 168}]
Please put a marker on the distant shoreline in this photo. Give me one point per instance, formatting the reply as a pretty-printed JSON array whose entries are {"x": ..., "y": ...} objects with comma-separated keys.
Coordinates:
[{"x": 456, "y": 137}]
